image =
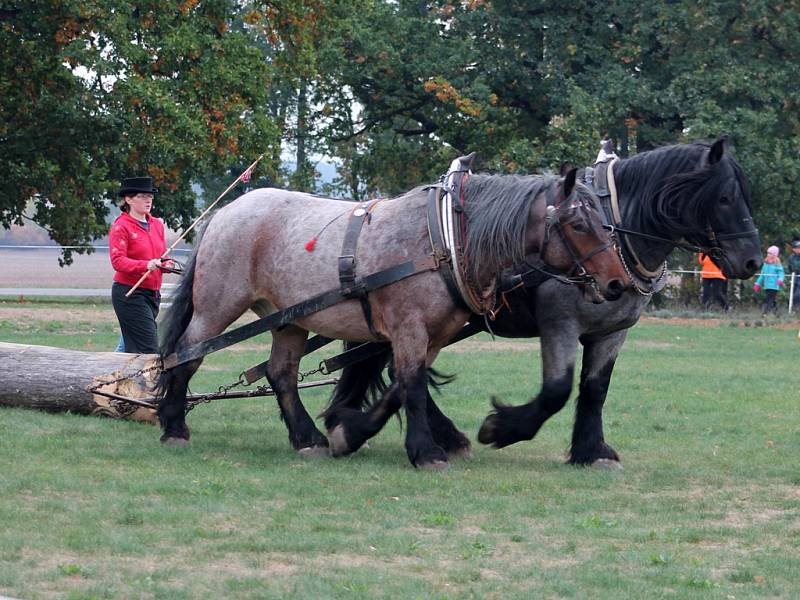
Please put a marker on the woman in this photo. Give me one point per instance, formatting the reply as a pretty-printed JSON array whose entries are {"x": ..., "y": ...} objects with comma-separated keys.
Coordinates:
[{"x": 136, "y": 242}]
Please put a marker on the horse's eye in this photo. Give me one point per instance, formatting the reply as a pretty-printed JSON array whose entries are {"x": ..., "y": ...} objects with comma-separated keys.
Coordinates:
[
  {"x": 579, "y": 226},
  {"x": 724, "y": 201}
]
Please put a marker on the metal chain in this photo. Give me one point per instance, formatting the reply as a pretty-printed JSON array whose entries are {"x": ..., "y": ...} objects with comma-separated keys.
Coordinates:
[
  {"x": 322, "y": 369},
  {"x": 121, "y": 405},
  {"x": 223, "y": 389},
  {"x": 636, "y": 285},
  {"x": 138, "y": 373}
]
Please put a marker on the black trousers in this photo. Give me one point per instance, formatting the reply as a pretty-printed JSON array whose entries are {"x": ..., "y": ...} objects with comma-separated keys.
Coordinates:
[
  {"x": 137, "y": 318},
  {"x": 769, "y": 302},
  {"x": 715, "y": 290}
]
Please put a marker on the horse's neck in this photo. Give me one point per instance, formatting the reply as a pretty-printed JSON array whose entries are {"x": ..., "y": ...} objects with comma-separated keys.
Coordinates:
[
  {"x": 633, "y": 199},
  {"x": 651, "y": 253}
]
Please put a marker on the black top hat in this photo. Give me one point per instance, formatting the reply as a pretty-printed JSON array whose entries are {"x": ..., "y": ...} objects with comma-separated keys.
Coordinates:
[{"x": 137, "y": 185}]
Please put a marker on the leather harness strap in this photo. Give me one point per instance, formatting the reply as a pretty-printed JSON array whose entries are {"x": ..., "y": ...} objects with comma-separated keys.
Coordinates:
[
  {"x": 605, "y": 186},
  {"x": 298, "y": 311},
  {"x": 352, "y": 288}
]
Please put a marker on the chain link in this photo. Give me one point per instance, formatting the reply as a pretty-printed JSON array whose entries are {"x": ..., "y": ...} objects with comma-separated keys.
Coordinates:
[
  {"x": 223, "y": 389},
  {"x": 127, "y": 408},
  {"x": 322, "y": 369},
  {"x": 134, "y": 375}
]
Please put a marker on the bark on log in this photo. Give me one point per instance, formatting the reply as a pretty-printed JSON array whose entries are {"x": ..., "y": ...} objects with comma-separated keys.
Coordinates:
[{"x": 59, "y": 380}]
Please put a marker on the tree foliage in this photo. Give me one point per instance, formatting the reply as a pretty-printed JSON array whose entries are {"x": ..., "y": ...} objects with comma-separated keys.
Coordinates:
[
  {"x": 191, "y": 91},
  {"x": 93, "y": 91},
  {"x": 532, "y": 84}
]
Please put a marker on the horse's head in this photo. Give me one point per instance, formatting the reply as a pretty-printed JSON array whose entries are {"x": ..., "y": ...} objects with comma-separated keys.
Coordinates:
[
  {"x": 721, "y": 222},
  {"x": 578, "y": 242},
  {"x": 732, "y": 239}
]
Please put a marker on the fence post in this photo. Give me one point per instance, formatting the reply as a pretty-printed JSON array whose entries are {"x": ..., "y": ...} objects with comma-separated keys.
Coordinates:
[{"x": 791, "y": 291}]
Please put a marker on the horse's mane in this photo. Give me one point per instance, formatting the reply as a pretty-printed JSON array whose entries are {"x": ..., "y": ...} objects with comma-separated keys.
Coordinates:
[
  {"x": 671, "y": 187},
  {"x": 496, "y": 208}
]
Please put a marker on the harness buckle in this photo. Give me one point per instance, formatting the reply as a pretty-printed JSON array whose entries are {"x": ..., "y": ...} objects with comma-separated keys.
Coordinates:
[{"x": 347, "y": 266}]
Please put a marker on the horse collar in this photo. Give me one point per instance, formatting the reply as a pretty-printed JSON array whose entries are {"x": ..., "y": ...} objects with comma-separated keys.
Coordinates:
[{"x": 447, "y": 228}]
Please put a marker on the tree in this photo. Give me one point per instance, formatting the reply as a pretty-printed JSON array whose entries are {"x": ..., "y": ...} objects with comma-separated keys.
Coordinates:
[
  {"x": 529, "y": 84},
  {"x": 93, "y": 91}
]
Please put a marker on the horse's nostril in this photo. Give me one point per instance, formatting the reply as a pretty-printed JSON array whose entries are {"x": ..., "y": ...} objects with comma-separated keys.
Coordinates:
[
  {"x": 614, "y": 289},
  {"x": 753, "y": 265}
]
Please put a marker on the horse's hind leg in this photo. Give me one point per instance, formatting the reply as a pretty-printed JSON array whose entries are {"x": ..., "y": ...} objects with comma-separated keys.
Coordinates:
[
  {"x": 350, "y": 428},
  {"x": 507, "y": 425},
  {"x": 172, "y": 406},
  {"x": 588, "y": 444},
  {"x": 445, "y": 433},
  {"x": 282, "y": 369}
]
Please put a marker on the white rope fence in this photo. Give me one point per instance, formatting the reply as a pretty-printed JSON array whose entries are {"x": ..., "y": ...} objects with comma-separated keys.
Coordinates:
[{"x": 791, "y": 282}]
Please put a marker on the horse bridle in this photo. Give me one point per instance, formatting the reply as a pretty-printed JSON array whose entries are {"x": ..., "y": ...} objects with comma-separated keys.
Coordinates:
[
  {"x": 578, "y": 274},
  {"x": 715, "y": 250}
]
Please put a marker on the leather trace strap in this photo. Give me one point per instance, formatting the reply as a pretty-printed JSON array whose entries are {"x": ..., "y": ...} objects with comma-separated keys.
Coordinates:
[
  {"x": 352, "y": 288},
  {"x": 298, "y": 311}
]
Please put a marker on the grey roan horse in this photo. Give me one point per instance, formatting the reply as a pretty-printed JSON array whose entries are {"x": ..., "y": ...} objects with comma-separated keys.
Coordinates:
[
  {"x": 252, "y": 256},
  {"x": 694, "y": 192}
]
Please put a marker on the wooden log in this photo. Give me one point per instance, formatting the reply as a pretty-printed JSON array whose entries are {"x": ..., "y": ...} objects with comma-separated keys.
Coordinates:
[{"x": 59, "y": 380}]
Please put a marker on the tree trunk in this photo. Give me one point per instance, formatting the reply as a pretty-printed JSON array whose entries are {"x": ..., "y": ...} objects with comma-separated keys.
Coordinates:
[{"x": 58, "y": 380}]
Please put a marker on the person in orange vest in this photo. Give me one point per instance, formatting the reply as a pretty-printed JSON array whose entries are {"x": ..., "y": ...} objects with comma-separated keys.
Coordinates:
[{"x": 715, "y": 284}]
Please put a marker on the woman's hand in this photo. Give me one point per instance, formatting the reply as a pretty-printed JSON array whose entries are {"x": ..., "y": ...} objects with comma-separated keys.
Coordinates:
[{"x": 153, "y": 264}]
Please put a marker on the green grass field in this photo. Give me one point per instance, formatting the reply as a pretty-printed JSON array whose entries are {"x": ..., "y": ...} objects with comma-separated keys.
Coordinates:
[{"x": 708, "y": 506}]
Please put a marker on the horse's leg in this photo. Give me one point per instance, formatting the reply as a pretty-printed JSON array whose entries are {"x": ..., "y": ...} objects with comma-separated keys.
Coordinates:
[
  {"x": 353, "y": 428},
  {"x": 350, "y": 428},
  {"x": 203, "y": 323},
  {"x": 347, "y": 402},
  {"x": 172, "y": 406},
  {"x": 357, "y": 384},
  {"x": 445, "y": 433},
  {"x": 411, "y": 359},
  {"x": 282, "y": 369},
  {"x": 599, "y": 356},
  {"x": 506, "y": 425}
]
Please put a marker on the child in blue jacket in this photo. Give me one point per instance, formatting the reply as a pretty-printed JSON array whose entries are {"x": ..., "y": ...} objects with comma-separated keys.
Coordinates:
[{"x": 771, "y": 279}]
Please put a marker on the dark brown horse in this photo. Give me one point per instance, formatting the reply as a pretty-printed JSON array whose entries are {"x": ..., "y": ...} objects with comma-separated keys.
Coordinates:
[{"x": 252, "y": 256}]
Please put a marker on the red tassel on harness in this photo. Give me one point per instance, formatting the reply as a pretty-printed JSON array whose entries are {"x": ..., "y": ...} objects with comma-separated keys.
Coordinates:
[{"x": 310, "y": 244}]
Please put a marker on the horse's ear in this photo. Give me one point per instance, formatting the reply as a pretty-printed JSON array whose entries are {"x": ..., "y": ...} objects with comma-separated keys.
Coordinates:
[
  {"x": 717, "y": 151},
  {"x": 569, "y": 182},
  {"x": 565, "y": 167}
]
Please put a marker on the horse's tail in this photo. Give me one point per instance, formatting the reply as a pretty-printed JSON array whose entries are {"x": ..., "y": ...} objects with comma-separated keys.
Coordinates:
[
  {"x": 437, "y": 380},
  {"x": 360, "y": 385},
  {"x": 177, "y": 319}
]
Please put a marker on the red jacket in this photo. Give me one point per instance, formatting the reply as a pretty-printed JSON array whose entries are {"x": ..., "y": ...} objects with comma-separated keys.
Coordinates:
[{"x": 131, "y": 247}]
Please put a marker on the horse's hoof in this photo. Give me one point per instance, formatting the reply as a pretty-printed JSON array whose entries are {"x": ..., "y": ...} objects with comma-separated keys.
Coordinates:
[
  {"x": 487, "y": 432},
  {"x": 338, "y": 442},
  {"x": 435, "y": 465},
  {"x": 174, "y": 442},
  {"x": 607, "y": 464},
  {"x": 315, "y": 451}
]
